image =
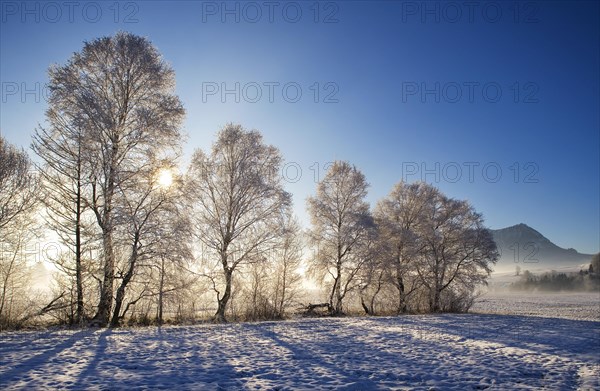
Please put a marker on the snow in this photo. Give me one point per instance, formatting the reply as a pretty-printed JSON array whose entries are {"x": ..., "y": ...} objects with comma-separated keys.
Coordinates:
[
  {"x": 577, "y": 306},
  {"x": 449, "y": 351}
]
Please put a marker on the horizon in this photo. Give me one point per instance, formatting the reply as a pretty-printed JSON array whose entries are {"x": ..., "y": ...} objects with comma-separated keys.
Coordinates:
[{"x": 499, "y": 111}]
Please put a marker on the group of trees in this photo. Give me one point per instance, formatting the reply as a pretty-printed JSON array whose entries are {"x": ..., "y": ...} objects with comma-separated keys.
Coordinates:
[
  {"x": 18, "y": 197},
  {"x": 418, "y": 251},
  {"x": 137, "y": 234},
  {"x": 113, "y": 124}
]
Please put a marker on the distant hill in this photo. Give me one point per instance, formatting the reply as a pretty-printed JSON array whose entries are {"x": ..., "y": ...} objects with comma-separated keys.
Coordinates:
[{"x": 524, "y": 246}]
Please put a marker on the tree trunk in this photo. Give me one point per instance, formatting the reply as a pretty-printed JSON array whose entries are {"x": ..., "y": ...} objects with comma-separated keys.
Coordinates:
[
  {"x": 102, "y": 316},
  {"x": 435, "y": 305},
  {"x": 106, "y": 293},
  {"x": 401, "y": 295},
  {"x": 126, "y": 279},
  {"x": 160, "y": 291},
  {"x": 338, "y": 290},
  {"x": 364, "y": 306},
  {"x": 220, "y": 315},
  {"x": 379, "y": 283},
  {"x": 332, "y": 294},
  {"x": 283, "y": 288},
  {"x": 78, "y": 278},
  {"x": 118, "y": 303}
]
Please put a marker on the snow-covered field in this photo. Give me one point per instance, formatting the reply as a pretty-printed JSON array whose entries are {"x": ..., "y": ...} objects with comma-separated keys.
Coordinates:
[
  {"x": 461, "y": 352},
  {"x": 575, "y": 306}
]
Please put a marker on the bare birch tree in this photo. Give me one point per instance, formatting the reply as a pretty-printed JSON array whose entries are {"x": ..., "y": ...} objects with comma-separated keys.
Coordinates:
[
  {"x": 18, "y": 204},
  {"x": 456, "y": 252},
  {"x": 287, "y": 258},
  {"x": 18, "y": 187},
  {"x": 61, "y": 149},
  {"x": 341, "y": 229},
  {"x": 238, "y": 200},
  {"x": 398, "y": 217},
  {"x": 145, "y": 212}
]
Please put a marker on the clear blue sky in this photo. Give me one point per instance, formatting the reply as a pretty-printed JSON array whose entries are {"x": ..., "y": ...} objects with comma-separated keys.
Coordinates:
[{"x": 516, "y": 83}]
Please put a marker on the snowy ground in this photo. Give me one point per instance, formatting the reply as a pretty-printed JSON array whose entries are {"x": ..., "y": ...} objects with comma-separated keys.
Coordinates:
[{"x": 461, "y": 352}]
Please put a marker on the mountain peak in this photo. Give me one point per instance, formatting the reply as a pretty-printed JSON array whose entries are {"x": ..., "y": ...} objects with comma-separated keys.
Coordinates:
[
  {"x": 522, "y": 244},
  {"x": 520, "y": 226},
  {"x": 522, "y": 230}
]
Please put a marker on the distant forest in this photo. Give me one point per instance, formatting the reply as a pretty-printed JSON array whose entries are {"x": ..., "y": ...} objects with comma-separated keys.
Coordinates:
[{"x": 584, "y": 280}]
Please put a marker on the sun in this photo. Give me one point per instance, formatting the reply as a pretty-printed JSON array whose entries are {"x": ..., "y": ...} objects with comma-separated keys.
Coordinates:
[{"x": 165, "y": 178}]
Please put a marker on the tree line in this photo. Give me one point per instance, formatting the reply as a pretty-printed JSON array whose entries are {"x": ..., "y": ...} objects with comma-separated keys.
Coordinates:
[
  {"x": 586, "y": 280},
  {"x": 143, "y": 239}
]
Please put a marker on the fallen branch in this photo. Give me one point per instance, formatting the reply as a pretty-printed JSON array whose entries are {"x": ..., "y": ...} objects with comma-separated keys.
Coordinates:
[{"x": 309, "y": 310}]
